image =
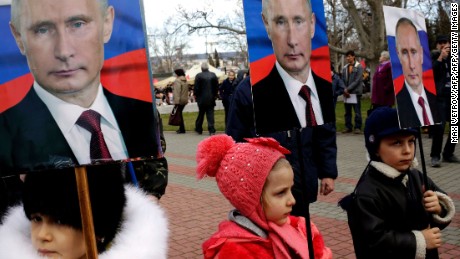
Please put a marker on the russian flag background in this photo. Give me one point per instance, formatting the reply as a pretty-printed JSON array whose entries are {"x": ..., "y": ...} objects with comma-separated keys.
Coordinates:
[
  {"x": 125, "y": 70},
  {"x": 392, "y": 15},
  {"x": 260, "y": 49}
]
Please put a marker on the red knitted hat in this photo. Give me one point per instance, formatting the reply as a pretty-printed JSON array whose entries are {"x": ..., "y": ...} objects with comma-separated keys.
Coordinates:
[{"x": 240, "y": 168}]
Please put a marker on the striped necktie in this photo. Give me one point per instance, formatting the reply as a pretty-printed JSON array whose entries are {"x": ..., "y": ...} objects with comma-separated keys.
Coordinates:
[
  {"x": 309, "y": 113},
  {"x": 91, "y": 121},
  {"x": 426, "y": 120}
]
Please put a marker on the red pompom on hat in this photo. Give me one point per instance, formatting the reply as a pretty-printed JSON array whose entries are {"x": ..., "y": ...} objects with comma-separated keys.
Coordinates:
[{"x": 240, "y": 168}]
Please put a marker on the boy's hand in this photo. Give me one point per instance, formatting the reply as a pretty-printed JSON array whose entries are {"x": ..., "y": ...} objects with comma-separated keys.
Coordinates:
[
  {"x": 432, "y": 237},
  {"x": 431, "y": 202}
]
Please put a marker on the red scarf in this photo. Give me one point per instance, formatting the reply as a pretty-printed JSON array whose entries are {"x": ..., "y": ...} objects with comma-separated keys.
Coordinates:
[{"x": 283, "y": 238}]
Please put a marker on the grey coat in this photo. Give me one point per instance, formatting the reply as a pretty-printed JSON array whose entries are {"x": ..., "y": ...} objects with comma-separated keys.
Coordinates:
[{"x": 354, "y": 80}]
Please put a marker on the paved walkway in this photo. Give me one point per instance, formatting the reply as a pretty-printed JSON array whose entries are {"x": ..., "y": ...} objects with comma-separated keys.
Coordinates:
[{"x": 196, "y": 207}]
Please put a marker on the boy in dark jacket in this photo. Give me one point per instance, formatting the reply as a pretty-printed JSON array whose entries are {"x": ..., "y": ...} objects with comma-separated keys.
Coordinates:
[{"x": 391, "y": 215}]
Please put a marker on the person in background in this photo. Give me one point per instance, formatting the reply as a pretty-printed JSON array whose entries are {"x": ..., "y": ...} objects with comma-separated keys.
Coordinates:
[
  {"x": 240, "y": 75},
  {"x": 240, "y": 123},
  {"x": 392, "y": 213},
  {"x": 442, "y": 79},
  {"x": 366, "y": 80},
  {"x": 180, "y": 95},
  {"x": 337, "y": 85},
  {"x": 352, "y": 76},
  {"x": 257, "y": 180},
  {"x": 226, "y": 91},
  {"x": 206, "y": 91},
  {"x": 383, "y": 93}
]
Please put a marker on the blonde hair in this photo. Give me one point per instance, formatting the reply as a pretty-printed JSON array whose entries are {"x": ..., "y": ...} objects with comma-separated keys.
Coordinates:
[{"x": 281, "y": 163}]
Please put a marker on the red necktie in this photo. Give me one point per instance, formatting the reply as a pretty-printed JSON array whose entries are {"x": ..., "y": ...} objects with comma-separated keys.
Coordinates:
[
  {"x": 426, "y": 121},
  {"x": 91, "y": 121},
  {"x": 309, "y": 113}
]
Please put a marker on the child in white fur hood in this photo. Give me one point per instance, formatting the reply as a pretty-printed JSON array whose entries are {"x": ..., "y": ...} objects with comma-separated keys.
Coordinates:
[
  {"x": 47, "y": 224},
  {"x": 390, "y": 214}
]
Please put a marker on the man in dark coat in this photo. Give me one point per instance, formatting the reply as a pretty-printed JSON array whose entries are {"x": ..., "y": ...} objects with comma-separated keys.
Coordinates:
[
  {"x": 314, "y": 150},
  {"x": 442, "y": 79},
  {"x": 226, "y": 91},
  {"x": 206, "y": 89}
]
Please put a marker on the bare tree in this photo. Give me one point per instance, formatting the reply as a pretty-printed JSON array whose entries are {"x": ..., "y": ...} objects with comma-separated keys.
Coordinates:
[
  {"x": 216, "y": 58},
  {"x": 360, "y": 24},
  {"x": 363, "y": 26},
  {"x": 352, "y": 24},
  {"x": 167, "y": 47},
  {"x": 229, "y": 29}
]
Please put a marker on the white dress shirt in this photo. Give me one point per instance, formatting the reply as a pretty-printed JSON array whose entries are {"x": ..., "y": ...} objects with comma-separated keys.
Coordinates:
[
  {"x": 78, "y": 138},
  {"x": 293, "y": 87},
  {"x": 414, "y": 97}
]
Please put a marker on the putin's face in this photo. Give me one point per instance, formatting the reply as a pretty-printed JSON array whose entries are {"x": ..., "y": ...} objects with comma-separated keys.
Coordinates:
[
  {"x": 290, "y": 26},
  {"x": 410, "y": 54},
  {"x": 64, "y": 43}
]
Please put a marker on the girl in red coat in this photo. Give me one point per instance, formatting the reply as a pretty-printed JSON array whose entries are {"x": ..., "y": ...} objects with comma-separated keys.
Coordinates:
[{"x": 257, "y": 179}]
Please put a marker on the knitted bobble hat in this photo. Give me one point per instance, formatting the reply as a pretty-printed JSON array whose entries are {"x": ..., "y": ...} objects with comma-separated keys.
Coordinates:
[{"x": 240, "y": 168}]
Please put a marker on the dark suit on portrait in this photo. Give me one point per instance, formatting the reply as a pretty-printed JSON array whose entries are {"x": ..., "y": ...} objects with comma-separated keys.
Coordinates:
[
  {"x": 406, "y": 110},
  {"x": 313, "y": 149},
  {"x": 31, "y": 139},
  {"x": 272, "y": 101}
]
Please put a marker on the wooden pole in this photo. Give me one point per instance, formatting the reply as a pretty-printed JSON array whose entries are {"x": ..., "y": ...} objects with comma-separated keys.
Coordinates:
[
  {"x": 425, "y": 186},
  {"x": 306, "y": 209},
  {"x": 86, "y": 214}
]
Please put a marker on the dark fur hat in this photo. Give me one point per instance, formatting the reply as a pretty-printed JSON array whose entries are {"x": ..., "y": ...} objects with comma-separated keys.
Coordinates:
[
  {"x": 54, "y": 193},
  {"x": 179, "y": 72}
]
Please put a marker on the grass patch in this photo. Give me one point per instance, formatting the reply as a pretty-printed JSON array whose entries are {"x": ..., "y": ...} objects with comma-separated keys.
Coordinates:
[
  {"x": 190, "y": 117},
  {"x": 219, "y": 124}
]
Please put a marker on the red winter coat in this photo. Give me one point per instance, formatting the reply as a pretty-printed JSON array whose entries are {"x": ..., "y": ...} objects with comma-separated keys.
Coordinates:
[{"x": 233, "y": 241}]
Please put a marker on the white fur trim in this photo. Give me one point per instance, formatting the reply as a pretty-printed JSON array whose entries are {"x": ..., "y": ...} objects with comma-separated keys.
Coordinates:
[
  {"x": 413, "y": 165},
  {"x": 143, "y": 235},
  {"x": 15, "y": 240},
  {"x": 388, "y": 171},
  {"x": 421, "y": 244},
  {"x": 447, "y": 203}
]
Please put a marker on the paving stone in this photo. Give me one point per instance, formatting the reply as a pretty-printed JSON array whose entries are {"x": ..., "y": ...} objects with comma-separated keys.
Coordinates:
[{"x": 195, "y": 208}]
